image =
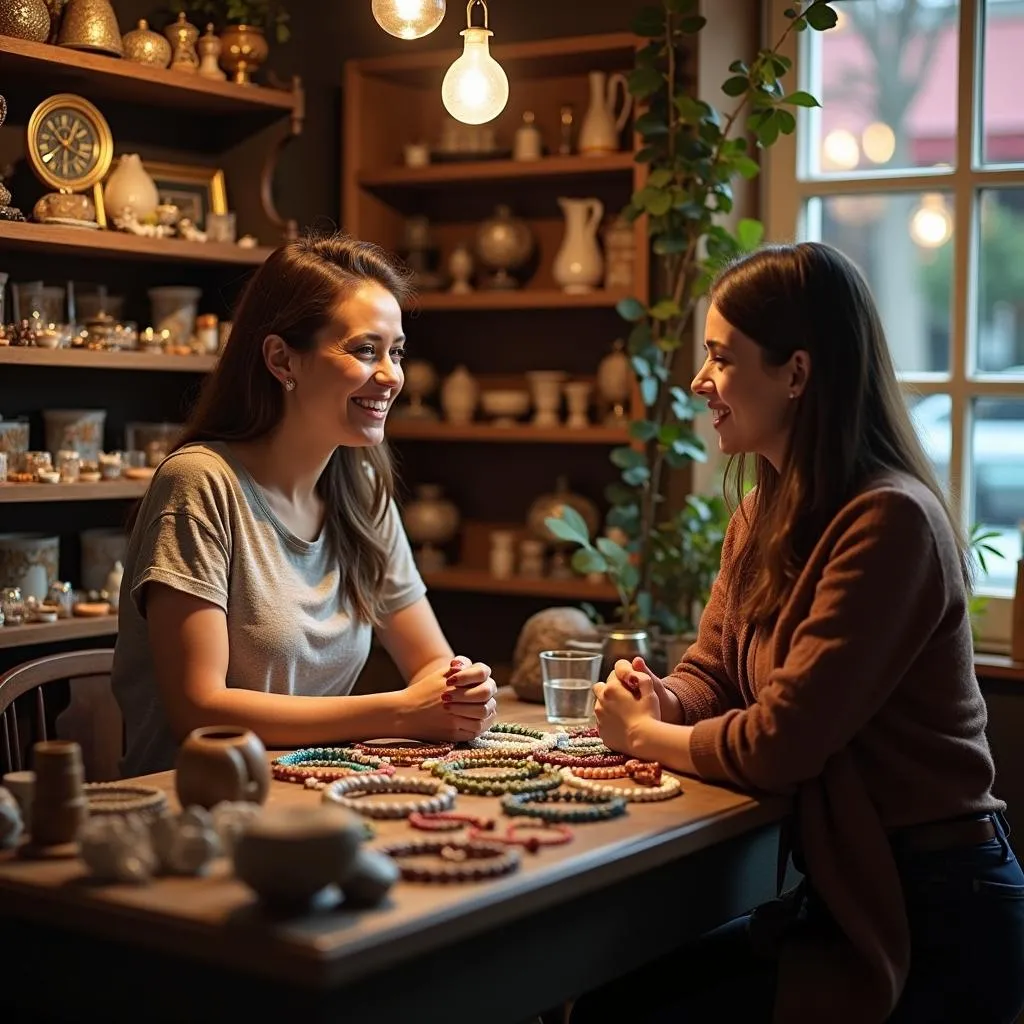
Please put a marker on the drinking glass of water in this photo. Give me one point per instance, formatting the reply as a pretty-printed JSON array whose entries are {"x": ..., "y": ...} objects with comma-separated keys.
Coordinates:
[{"x": 569, "y": 678}]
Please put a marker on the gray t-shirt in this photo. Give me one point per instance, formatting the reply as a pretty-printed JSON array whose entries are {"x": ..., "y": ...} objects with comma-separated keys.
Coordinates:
[{"x": 205, "y": 528}]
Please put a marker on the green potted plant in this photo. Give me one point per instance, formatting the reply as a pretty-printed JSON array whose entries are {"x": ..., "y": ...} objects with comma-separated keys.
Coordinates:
[{"x": 659, "y": 561}]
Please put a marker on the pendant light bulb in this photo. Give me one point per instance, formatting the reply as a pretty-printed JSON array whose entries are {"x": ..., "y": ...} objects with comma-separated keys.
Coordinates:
[
  {"x": 475, "y": 87},
  {"x": 408, "y": 19}
]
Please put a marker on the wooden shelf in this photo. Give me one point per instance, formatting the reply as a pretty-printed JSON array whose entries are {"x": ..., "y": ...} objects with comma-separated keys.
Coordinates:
[
  {"x": 118, "y": 244},
  {"x": 105, "y": 490},
  {"x": 521, "y": 433},
  {"x": 84, "y": 359},
  {"x": 103, "y": 77},
  {"x": 520, "y": 298},
  {"x": 480, "y": 581},
  {"x": 55, "y": 632},
  {"x": 443, "y": 174}
]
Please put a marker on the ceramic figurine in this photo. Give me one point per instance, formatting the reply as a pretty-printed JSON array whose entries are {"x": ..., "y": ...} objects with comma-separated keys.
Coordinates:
[
  {"x": 118, "y": 848},
  {"x": 460, "y": 266},
  {"x": 459, "y": 395},
  {"x": 182, "y": 35}
]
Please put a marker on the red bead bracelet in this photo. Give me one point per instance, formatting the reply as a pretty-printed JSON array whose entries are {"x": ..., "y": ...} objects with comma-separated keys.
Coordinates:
[
  {"x": 544, "y": 834},
  {"x": 448, "y": 821},
  {"x": 406, "y": 754}
]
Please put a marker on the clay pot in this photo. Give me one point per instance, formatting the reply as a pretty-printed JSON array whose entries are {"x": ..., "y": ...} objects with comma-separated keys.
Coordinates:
[
  {"x": 322, "y": 839},
  {"x": 221, "y": 762}
]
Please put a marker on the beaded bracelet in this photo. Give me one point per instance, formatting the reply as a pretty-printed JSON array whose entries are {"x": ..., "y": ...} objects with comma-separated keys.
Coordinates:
[
  {"x": 583, "y": 745},
  {"x": 517, "y": 754},
  {"x": 343, "y": 792},
  {"x": 509, "y": 734},
  {"x": 601, "y": 808},
  {"x": 118, "y": 798},
  {"x": 472, "y": 861},
  {"x": 509, "y": 769},
  {"x": 648, "y": 773},
  {"x": 664, "y": 790},
  {"x": 553, "y": 835},
  {"x": 448, "y": 822},
  {"x": 515, "y": 780},
  {"x": 302, "y": 765},
  {"x": 560, "y": 759},
  {"x": 408, "y": 755}
]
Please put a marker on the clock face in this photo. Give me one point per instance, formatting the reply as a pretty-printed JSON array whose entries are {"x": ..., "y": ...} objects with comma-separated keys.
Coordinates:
[{"x": 69, "y": 143}]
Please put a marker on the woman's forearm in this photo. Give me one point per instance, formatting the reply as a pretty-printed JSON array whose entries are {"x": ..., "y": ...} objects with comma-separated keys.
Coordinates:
[
  {"x": 663, "y": 742},
  {"x": 287, "y": 720}
]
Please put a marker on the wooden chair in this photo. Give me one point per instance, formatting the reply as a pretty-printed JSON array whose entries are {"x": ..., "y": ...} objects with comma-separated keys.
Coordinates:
[{"x": 92, "y": 718}]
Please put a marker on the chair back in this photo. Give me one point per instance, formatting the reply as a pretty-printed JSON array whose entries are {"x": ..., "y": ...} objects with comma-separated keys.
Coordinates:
[{"x": 92, "y": 717}]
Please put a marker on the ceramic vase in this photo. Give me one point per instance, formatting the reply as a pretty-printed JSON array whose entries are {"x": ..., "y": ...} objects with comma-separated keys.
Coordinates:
[
  {"x": 459, "y": 395},
  {"x": 218, "y": 763},
  {"x": 546, "y": 389},
  {"x": 144, "y": 46},
  {"x": 78, "y": 430},
  {"x": 614, "y": 380},
  {"x": 29, "y": 561},
  {"x": 579, "y": 265},
  {"x": 130, "y": 189},
  {"x": 174, "y": 310},
  {"x": 602, "y": 123},
  {"x": 430, "y": 522}
]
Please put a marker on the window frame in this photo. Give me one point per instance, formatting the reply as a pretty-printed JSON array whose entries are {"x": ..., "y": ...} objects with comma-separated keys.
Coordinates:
[{"x": 783, "y": 198}]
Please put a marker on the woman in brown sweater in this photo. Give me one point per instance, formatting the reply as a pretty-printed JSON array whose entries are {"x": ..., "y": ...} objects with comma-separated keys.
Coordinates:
[{"x": 834, "y": 664}]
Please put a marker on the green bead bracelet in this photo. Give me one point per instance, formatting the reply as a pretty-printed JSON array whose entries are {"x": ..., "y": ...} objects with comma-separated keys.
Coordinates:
[{"x": 532, "y": 805}]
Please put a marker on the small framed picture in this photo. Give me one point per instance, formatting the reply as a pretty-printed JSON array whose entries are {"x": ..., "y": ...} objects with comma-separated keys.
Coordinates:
[{"x": 195, "y": 191}]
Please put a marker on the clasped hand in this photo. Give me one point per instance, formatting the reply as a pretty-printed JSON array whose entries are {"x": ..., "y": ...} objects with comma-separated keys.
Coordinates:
[
  {"x": 456, "y": 703},
  {"x": 624, "y": 701}
]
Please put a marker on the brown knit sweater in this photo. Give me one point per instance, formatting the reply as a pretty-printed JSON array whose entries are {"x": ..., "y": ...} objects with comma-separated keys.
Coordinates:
[{"x": 862, "y": 703}]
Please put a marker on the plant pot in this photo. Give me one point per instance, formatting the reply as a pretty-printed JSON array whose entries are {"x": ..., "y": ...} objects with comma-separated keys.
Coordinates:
[{"x": 244, "y": 51}]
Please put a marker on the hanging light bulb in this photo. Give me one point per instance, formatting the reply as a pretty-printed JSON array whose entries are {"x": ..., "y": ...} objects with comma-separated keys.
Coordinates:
[
  {"x": 408, "y": 19},
  {"x": 475, "y": 88}
]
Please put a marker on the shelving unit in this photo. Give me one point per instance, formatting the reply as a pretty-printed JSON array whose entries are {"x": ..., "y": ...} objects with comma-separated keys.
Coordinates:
[
  {"x": 498, "y": 335},
  {"x": 164, "y": 116},
  {"x": 35, "y": 633},
  {"x": 105, "y": 490}
]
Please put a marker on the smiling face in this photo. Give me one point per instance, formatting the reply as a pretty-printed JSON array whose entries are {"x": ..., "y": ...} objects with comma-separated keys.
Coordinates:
[
  {"x": 347, "y": 383},
  {"x": 751, "y": 402}
]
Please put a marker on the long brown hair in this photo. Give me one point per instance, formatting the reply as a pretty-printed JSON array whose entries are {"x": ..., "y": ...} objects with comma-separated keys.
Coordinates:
[
  {"x": 850, "y": 422},
  {"x": 294, "y": 295}
]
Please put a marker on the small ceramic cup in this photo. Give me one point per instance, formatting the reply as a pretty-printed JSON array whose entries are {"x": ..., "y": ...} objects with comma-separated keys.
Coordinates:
[{"x": 221, "y": 762}]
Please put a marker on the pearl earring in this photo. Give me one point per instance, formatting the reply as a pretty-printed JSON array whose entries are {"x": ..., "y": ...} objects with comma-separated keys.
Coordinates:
[
  {"x": 289, "y": 384},
  {"x": 792, "y": 394}
]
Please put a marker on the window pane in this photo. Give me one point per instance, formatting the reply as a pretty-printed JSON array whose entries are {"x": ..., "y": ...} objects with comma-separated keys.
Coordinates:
[
  {"x": 886, "y": 77},
  {"x": 903, "y": 245},
  {"x": 1003, "y": 117},
  {"x": 997, "y": 448},
  {"x": 1000, "y": 331},
  {"x": 931, "y": 415}
]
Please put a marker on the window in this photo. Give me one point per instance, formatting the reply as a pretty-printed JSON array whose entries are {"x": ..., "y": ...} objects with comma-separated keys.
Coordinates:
[{"x": 914, "y": 166}]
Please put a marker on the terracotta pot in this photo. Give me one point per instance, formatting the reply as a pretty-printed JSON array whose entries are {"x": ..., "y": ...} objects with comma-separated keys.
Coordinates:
[{"x": 218, "y": 763}]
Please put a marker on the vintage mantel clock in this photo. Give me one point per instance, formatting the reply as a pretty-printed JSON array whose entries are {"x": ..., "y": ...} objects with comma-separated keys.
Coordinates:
[{"x": 70, "y": 148}]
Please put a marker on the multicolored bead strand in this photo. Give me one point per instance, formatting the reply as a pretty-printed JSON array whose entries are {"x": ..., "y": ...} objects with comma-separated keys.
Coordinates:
[
  {"x": 536, "y": 805},
  {"x": 511, "y": 734},
  {"x": 326, "y": 764},
  {"x": 440, "y": 797},
  {"x": 471, "y": 861},
  {"x": 408, "y": 755},
  {"x": 449, "y": 822}
]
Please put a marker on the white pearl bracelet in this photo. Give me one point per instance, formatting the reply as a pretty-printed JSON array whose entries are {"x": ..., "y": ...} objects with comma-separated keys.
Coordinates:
[
  {"x": 664, "y": 790},
  {"x": 441, "y": 797}
]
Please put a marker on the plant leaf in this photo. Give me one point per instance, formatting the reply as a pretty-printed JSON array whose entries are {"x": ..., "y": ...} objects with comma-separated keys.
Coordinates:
[
  {"x": 736, "y": 86},
  {"x": 649, "y": 390},
  {"x": 644, "y": 81},
  {"x": 659, "y": 178},
  {"x": 691, "y": 26},
  {"x": 821, "y": 17},
  {"x": 665, "y": 309},
  {"x": 786, "y": 122},
  {"x": 631, "y": 309},
  {"x": 616, "y": 555},
  {"x": 587, "y": 560},
  {"x": 636, "y": 475},
  {"x": 747, "y": 166},
  {"x": 625, "y": 457},
  {"x": 643, "y": 430},
  {"x": 566, "y": 531},
  {"x": 749, "y": 233},
  {"x": 801, "y": 99}
]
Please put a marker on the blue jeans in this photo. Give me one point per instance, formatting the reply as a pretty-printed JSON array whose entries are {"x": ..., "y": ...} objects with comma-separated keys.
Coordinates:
[{"x": 965, "y": 907}]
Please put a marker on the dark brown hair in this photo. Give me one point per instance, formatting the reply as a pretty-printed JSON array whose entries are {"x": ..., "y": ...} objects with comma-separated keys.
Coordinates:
[
  {"x": 849, "y": 423},
  {"x": 294, "y": 294}
]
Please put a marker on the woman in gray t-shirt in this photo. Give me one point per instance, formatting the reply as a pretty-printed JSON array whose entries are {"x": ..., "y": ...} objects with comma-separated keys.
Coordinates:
[{"x": 268, "y": 547}]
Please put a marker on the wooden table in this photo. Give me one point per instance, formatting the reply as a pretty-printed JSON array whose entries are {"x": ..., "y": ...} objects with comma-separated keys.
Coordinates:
[{"x": 198, "y": 949}]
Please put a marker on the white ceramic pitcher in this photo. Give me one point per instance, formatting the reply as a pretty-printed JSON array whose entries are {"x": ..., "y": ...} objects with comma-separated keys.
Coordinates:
[
  {"x": 579, "y": 264},
  {"x": 599, "y": 132}
]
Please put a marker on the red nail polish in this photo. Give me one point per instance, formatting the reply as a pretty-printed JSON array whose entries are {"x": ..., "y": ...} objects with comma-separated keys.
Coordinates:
[
  {"x": 451, "y": 672},
  {"x": 446, "y": 697}
]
